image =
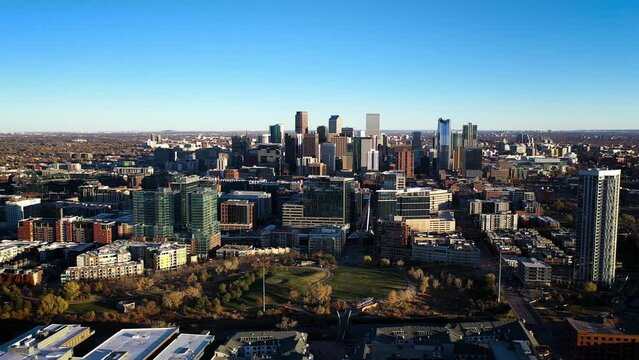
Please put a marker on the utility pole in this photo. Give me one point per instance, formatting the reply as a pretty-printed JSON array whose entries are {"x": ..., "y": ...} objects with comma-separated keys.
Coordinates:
[
  {"x": 499, "y": 281},
  {"x": 263, "y": 289}
]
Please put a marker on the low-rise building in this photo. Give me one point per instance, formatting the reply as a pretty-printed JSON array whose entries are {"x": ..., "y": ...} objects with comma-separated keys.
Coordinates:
[
  {"x": 186, "y": 347},
  {"x": 265, "y": 345},
  {"x": 448, "y": 249},
  {"x": 451, "y": 341},
  {"x": 231, "y": 251},
  {"x": 132, "y": 344},
  {"x": 492, "y": 222},
  {"x": 327, "y": 239},
  {"x": 533, "y": 273},
  {"x": 55, "y": 341},
  {"x": 594, "y": 341}
]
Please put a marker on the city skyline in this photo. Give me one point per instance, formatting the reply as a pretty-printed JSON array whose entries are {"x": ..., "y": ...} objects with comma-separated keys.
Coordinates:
[{"x": 201, "y": 66}]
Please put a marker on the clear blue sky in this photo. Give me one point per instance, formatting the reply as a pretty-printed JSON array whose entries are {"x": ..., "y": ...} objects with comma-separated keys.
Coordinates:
[{"x": 226, "y": 65}]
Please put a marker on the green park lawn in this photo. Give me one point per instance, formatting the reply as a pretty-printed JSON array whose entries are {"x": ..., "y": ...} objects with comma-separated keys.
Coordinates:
[
  {"x": 350, "y": 283},
  {"x": 95, "y": 306}
]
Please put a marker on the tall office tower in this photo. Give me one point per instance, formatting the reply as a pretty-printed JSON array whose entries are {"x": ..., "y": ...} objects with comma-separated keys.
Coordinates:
[
  {"x": 264, "y": 138},
  {"x": 341, "y": 145},
  {"x": 456, "y": 140},
  {"x": 597, "y": 218},
  {"x": 290, "y": 152},
  {"x": 442, "y": 144},
  {"x": 322, "y": 133},
  {"x": 277, "y": 133},
  {"x": 203, "y": 224},
  {"x": 470, "y": 135},
  {"x": 472, "y": 162},
  {"x": 301, "y": 122},
  {"x": 372, "y": 160},
  {"x": 361, "y": 146},
  {"x": 335, "y": 124},
  {"x": 328, "y": 153},
  {"x": 372, "y": 125},
  {"x": 348, "y": 131},
  {"x": 404, "y": 160},
  {"x": 310, "y": 145},
  {"x": 417, "y": 140},
  {"x": 327, "y": 201},
  {"x": 153, "y": 214}
]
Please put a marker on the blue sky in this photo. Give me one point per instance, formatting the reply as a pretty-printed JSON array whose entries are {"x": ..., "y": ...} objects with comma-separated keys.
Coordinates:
[{"x": 235, "y": 65}]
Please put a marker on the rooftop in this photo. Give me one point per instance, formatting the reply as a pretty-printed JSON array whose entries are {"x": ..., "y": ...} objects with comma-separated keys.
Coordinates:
[
  {"x": 133, "y": 344},
  {"x": 44, "y": 342},
  {"x": 186, "y": 347}
]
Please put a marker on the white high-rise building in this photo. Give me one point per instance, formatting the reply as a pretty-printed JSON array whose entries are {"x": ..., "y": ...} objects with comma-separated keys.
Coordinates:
[
  {"x": 597, "y": 221},
  {"x": 372, "y": 125},
  {"x": 372, "y": 161}
]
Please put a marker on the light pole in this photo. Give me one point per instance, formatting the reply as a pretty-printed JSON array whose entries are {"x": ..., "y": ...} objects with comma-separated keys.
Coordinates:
[
  {"x": 263, "y": 289},
  {"x": 499, "y": 280}
]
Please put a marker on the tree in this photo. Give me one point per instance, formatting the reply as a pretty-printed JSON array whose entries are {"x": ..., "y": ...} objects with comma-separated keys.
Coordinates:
[
  {"x": 368, "y": 259},
  {"x": 590, "y": 287},
  {"x": 71, "y": 290},
  {"x": 221, "y": 288},
  {"x": 423, "y": 285},
  {"x": 319, "y": 294},
  {"x": 217, "y": 306},
  {"x": 293, "y": 295},
  {"x": 399, "y": 263},
  {"x": 172, "y": 300},
  {"x": 51, "y": 305},
  {"x": 393, "y": 298},
  {"x": 457, "y": 282},
  {"x": 435, "y": 283},
  {"x": 384, "y": 262},
  {"x": 490, "y": 283},
  {"x": 286, "y": 323},
  {"x": 192, "y": 279}
]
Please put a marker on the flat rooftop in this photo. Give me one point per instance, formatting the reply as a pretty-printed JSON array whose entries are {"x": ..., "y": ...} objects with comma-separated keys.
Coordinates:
[
  {"x": 594, "y": 328},
  {"x": 186, "y": 347},
  {"x": 42, "y": 342},
  {"x": 132, "y": 344}
]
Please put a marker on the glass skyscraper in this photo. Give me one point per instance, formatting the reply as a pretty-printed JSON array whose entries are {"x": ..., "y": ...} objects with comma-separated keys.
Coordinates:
[{"x": 443, "y": 142}]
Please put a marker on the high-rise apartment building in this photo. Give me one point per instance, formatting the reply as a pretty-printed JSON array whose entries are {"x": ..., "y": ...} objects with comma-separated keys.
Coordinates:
[
  {"x": 597, "y": 221},
  {"x": 405, "y": 160},
  {"x": 372, "y": 125},
  {"x": 301, "y": 122},
  {"x": 203, "y": 224},
  {"x": 153, "y": 214},
  {"x": 335, "y": 124}
]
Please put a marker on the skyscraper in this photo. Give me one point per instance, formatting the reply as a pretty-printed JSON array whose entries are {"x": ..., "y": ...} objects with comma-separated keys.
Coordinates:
[
  {"x": 597, "y": 220},
  {"x": 442, "y": 142},
  {"x": 469, "y": 133},
  {"x": 277, "y": 133},
  {"x": 335, "y": 124},
  {"x": 404, "y": 159},
  {"x": 472, "y": 162},
  {"x": 203, "y": 223},
  {"x": 301, "y": 122},
  {"x": 372, "y": 125},
  {"x": 310, "y": 144},
  {"x": 327, "y": 156},
  {"x": 322, "y": 133},
  {"x": 153, "y": 214}
]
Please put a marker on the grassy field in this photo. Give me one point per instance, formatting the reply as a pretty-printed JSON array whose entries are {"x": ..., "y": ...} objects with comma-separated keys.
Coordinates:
[
  {"x": 98, "y": 307},
  {"x": 279, "y": 283},
  {"x": 355, "y": 283}
]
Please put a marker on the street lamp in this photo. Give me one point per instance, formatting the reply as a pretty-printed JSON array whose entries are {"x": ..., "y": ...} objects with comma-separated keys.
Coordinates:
[{"x": 499, "y": 280}]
